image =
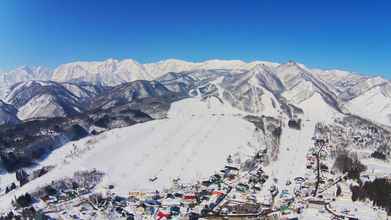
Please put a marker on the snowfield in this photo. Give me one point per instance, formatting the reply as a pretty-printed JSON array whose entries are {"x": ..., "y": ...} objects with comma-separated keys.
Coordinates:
[
  {"x": 374, "y": 104},
  {"x": 192, "y": 143}
]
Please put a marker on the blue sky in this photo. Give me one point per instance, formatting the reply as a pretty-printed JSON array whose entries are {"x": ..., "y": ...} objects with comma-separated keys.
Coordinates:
[{"x": 347, "y": 34}]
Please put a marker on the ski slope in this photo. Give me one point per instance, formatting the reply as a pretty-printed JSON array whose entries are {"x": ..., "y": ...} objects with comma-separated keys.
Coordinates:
[
  {"x": 295, "y": 144},
  {"x": 192, "y": 143}
]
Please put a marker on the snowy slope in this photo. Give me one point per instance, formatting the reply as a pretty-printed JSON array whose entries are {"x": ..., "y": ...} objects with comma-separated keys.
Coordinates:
[
  {"x": 188, "y": 144},
  {"x": 42, "y": 99},
  {"x": 173, "y": 65},
  {"x": 374, "y": 104},
  {"x": 293, "y": 81},
  {"x": 252, "y": 98},
  {"x": 85, "y": 90},
  {"x": 340, "y": 81},
  {"x": 197, "y": 134},
  {"x": 133, "y": 91},
  {"x": 113, "y": 72},
  {"x": 24, "y": 73},
  {"x": 300, "y": 84},
  {"x": 160, "y": 68},
  {"x": 178, "y": 82},
  {"x": 44, "y": 106},
  {"x": 255, "y": 90},
  {"x": 295, "y": 144},
  {"x": 109, "y": 72}
]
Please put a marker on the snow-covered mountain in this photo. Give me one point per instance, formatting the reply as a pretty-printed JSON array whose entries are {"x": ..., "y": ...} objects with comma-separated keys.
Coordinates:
[
  {"x": 256, "y": 90},
  {"x": 265, "y": 116},
  {"x": 108, "y": 72},
  {"x": 114, "y": 72},
  {"x": 338, "y": 80},
  {"x": 292, "y": 83},
  {"x": 172, "y": 65},
  {"x": 361, "y": 86},
  {"x": 288, "y": 83},
  {"x": 43, "y": 99},
  {"x": 132, "y": 92},
  {"x": 300, "y": 84},
  {"x": 36, "y": 99},
  {"x": 373, "y": 104},
  {"x": 367, "y": 97},
  {"x": 160, "y": 68},
  {"x": 24, "y": 73}
]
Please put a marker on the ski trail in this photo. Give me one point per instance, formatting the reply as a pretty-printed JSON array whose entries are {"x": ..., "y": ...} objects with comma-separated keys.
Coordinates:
[
  {"x": 183, "y": 130},
  {"x": 191, "y": 152},
  {"x": 164, "y": 138},
  {"x": 291, "y": 161},
  {"x": 180, "y": 144}
]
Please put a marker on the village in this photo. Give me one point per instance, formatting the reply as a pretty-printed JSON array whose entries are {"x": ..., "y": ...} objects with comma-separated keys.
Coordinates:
[{"x": 240, "y": 190}]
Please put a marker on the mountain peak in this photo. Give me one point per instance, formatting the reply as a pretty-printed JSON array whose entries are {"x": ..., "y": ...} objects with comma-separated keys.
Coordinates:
[
  {"x": 260, "y": 67},
  {"x": 173, "y": 60}
]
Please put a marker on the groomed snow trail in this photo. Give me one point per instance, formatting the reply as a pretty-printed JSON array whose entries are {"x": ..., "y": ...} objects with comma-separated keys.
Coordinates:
[{"x": 295, "y": 144}]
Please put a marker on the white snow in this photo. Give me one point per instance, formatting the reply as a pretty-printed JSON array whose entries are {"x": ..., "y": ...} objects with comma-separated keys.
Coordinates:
[
  {"x": 114, "y": 72},
  {"x": 374, "y": 104},
  {"x": 24, "y": 73},
  {"x": 312, "y": 214},
  {"x": 110, "y": 72},
  {"x": 377, "y": 168},
  {"x": 190, "y": 144},
  {"x": 42, "y": 106},
  {"x": 295, "y": 144},
  {"x": 198, "y": 134},
  {"x": 358, "y": 209},
  {"x": 302, "y": 91}
]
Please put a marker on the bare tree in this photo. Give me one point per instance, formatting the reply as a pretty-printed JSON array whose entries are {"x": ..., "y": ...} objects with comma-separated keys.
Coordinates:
[{"x": 318, "y": 151}]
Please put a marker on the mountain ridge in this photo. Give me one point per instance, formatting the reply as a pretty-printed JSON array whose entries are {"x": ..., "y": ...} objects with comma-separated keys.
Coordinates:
[{"x": 291, "y": 81}]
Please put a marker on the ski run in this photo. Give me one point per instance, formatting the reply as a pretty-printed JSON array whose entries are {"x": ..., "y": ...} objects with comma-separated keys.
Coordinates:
[{"x": 156, "y": 161}]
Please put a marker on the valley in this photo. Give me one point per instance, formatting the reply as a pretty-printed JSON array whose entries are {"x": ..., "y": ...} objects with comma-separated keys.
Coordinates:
[{"x": 214, "y": 139}]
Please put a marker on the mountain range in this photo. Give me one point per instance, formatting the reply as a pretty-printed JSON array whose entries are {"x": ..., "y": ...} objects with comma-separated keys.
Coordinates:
[
  {"x": 257, "y": 87},
  {"x": 145, "y": 125}
]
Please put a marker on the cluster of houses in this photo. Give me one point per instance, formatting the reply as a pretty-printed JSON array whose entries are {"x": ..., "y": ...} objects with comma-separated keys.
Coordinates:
[
  {"x": 238, "y": 191},
  {"x": 231, "y": 192}
]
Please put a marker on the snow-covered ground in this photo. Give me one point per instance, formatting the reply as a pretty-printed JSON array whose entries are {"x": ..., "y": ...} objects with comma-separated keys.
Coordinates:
[
  {"x": 376, "y": 168},
  {"x": 295, "y": 144},
  {"x": 192, "y": 143},
  {"x": 357, "y": 209},
  {"x": 312, "y": 214},
  {"x": 375, "y": 105}
]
